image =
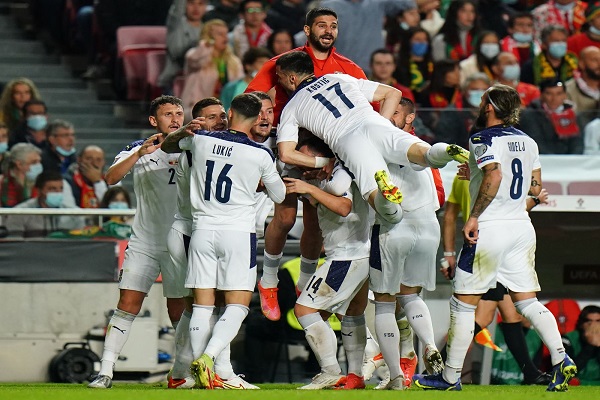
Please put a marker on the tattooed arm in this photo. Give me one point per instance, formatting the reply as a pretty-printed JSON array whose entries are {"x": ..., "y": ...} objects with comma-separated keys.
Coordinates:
[
  {"x": 536, "y": 182},
  {"x": 492, "y": 176}
]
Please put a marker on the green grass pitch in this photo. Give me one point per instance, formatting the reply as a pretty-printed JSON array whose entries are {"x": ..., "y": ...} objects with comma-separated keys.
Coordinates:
[{"x": 158, "y": 391}]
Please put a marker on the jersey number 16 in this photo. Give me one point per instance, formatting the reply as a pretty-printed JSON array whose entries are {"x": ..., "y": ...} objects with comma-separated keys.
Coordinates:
[{"x": 223, "y": 186}]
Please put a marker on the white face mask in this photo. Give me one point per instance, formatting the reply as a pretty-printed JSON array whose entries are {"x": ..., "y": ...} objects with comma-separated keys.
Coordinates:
[{"x": 490, "y": 50}]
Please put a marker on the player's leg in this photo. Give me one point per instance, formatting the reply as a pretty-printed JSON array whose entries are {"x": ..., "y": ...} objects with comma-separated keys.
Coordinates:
[
  {"x": 484, "y": 315},
  {"x": 311, "y": 244},
  {"x": 354, "y": 337},
  {"x": 388, "y": 336},
  {"x": 408, "y": 355}
]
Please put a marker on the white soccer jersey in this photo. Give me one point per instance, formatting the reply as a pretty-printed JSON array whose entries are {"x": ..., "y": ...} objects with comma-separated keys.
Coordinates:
[
  {"x": 418, "y": 186},
  {"x": 227, "y": 169},
  {"x": 154, "y": 187},
  {"x": 346, "y": 238},
  {"x": 183, "y": 215},
  {"x": 518, "y": 156},
  {"x": 329, "y": 107}
]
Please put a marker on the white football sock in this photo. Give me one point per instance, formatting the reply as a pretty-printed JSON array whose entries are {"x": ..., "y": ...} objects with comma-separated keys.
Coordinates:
[
  {"x": 407, "y": 341},
  {"x": 387, "y": 210},
  {"x": 318, "y": 336},
  {"x": 354, "y": 339},
  {"x": 183, "y": 347},
  {"x": 388, "y": 335},
  {"x": 437, "y": 156},
  {"x": 307, "y": 269},
  {"x": 200, "y": 329},
  {"x": 460, "y": 335},
  {"x": 117, "y": 333},
  {"x": 223, "y": 365},
  {"x": 226, "y": 329},
  {"x": 372, "y": 347},
  {"x": 269, "y": 277},
  {"x": 418, "y": 317}
]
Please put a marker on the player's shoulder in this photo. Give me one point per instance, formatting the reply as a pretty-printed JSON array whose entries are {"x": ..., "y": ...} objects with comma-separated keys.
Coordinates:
[
  {"x": 487, "y": 136},
  {"x": 133, "y": 145},
  {"x": 237, "y": 138},
  {"x": 348, "y": 66}
]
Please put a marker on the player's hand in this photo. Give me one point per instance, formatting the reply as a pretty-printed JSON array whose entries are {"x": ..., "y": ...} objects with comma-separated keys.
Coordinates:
[
  {"x": 195, "y": 124},
  {"x": 90, "y": 171},
  {"x": 543, "y": 196},
  {"x": 471, "y": 230},
  {"x": 150, "y": 145},
  {"x": 464, "y": 172},
  {"x": 449, "y": 271},
  {"x": 591, "y": 332},
  {"x": 297, "y": 186}
]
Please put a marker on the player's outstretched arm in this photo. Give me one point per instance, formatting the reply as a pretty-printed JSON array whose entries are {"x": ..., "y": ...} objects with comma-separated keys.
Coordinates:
[
  {"x": 289, "y": 155},
  {"x": 536, "y": 182},
  {"x": 118, "y": 170},
  {"x": 171, "y": 142},
  {"x": 273, "y": 184},
  {"x": 339, "y": 205},
  {"x": 390, "y": 98},
  {"x": 492, "y": 176}
]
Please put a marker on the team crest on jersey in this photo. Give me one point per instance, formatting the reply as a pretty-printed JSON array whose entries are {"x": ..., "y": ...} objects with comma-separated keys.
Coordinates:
[{"x": 480, "y": 150}]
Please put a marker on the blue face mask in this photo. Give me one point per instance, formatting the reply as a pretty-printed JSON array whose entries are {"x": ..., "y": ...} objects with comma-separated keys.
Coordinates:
[
  {"x": 474, "y": 97},
  {"x": 490, "y": 50},
  {"x": 54, "y": 199},
  {"x": 404, "y": 26},
  {"x": 65, "y": 153},
  {"x": 594, "y": 30},
  {"x": 118, "y": 205},
  {"x": 557, "y": 49},
  {"x": 34, "y": 171},
  {"x": 419, "y": 49},
  {"x": 3, "y": 147},
  {"x": 523, "y": 37},
  {"x": 512, "y": 72},
  {"x": 37, "y": 122}
]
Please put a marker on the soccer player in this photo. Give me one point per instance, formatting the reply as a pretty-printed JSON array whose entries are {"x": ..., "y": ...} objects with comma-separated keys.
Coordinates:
[
  {"x": 344, "y": 222},
  {"x": 146, "y": 255},
  {"x": 222, "y": 253},
  {"x": 321, "y": 30},
  {"x": 499, "y": 239},
  {"x": 336, "y": 109}
]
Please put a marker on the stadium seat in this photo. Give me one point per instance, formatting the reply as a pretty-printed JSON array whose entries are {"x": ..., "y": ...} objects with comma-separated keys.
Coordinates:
[
  {"x": 133, "y": 43},
  {"x": 590, "y": 188},
  {"x": 553, "y": 187},
  {"x": 155, "y": 62}
]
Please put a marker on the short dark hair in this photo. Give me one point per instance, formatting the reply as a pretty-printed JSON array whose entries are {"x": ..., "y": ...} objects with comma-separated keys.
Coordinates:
[
  {"x": 253, "y": 54},
  {"x": 245, "y": 2},
  {"x": 202, "y": 104},
  {"x": 506, "y": 103},
  {"x": 585, "y": 312},
  {"x": 317, "y": 12},
  {"x": 317, "y": 145},
  {"x": 409, "y": 104},
  {"x": 47, "y": 176},
  {"x": 547, "y": 31},
  {"x": 518, "y": 15},
  {"x": 164, "y": 99},
  {"x": 111, "y": 193},
  {"x": 35, "y": 102},
  {"x": 297, "y": 62},
  {"x": 262, "y": 95},
  {"x": 271, "y": 39},
  {"x": 438, "y": 76},
  {"x": 381, "y": 51},
  {"x": 247, "y": 105}
]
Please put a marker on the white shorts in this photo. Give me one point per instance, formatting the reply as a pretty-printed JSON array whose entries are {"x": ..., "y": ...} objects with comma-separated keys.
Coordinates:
[
  {"x": 263, "y": 207},
  {"x": 505, "y": 252},
  {"x": 142, "y": 266},
  {"x": 335, "y": 283},
  {"x": 405, "y": 253},
  {"x": 178, "y": 245},
  {"x": 363, "y": 153},
  {"x": 224, "y": 260}
]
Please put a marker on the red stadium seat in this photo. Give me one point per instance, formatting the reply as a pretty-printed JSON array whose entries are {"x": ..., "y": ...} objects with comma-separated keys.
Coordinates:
[
  {"x": 133, "y": 43},
  {"x": 591, "y": 188},
  {"x": 553, "y": 187},
  {"x": 155, "y": 62}
]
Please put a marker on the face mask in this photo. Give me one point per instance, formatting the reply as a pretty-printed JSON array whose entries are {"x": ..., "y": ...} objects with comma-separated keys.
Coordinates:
[
  {"x": 54, "y": 199},
  {"x": 523, "y": 37},
  {"x": 512, "y": 72},
  {"x": 594, "y": 30},
  {"x": 490, "y": 50},
  {"x": 118, "y": 205},
  {"x": 557, "y": 49},
  {"x": 474, "y": 97},
  {"x": 404, "y": 26},
  {"x": 3, "y": 147},
  {"x": 253, "y": 74},
  {"x": 559, "y": 109},
  {"x": 419, "y": 49},
  {"x": 37, "y": 122},
  {"x": 65, "y": 153},
  {"x": 34, "y": 171}
]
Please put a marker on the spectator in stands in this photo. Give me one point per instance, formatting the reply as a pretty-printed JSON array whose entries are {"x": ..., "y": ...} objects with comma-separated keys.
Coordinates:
[
  {"x": 444, "y": 88},
  {"x": 16, "y": 93},
  {"x": 456, "y": 37},
  {"x": 60, "y": 152},
  {"x": 251, "y": 31},
  {"x": 363, "y": 20},
  {"x": 493, "y": 15},
  {"x": 397, "y": 27},
  {"x": 3, "y": 146},
  {"x": 506, "y": 70},
  {"x": 287, "y": 14},
  {"x": 183, "y": 30},
  {"x": 253, "y": 60},
  {"x": 382, "y": 67},
  {"x": 24, "y": 166},
  {"x": 414, "y": 64},
  {"x": 280, "y": 41},
  {"x": 49, "y": 185},
  {"x": 591, "y": 34},
  {"x": 583, "y": 345},
  {"x": 33, "y": 128},
  {"x": 210, "y": 65},
  {"x": 551, "y": 121},
  {"x": 520, "y": 40},
  {"x": 431, "y": 20},
  {"x": 554, "y": 62},
  {"x": 225, "y": 10},
  {"x": 86, "y": 177},
  {"x": 591, "y": 138},
  {"x": 570, "y": 14},
  {"x": 584, "y": 88},
  {"x": 487, "y": 47},
  {"x": 457, "y": 120},
  {"x": 117, "y": 198}
]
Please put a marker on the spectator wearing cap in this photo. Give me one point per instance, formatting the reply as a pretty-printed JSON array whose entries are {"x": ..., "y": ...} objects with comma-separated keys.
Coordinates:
[
  {"x": 551, "y": 121},
  {"x": 591, "y": 34},
  {"x": 584, "y": 89}
]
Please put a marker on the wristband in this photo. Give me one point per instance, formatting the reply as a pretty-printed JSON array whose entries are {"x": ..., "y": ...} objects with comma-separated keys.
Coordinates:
[
  {"x": 536, "y": 200},
  {"x": 320, "y": 162},
  {"x": 449, "y": 253}
]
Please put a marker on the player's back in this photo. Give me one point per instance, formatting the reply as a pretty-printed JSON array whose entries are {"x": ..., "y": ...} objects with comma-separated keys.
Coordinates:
[
  {"x": 518, "y": 156},
  {"x": 331, "y": 106},
  {"x": 417, "y": 186},
  {"x": 227, "y": 168}
]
